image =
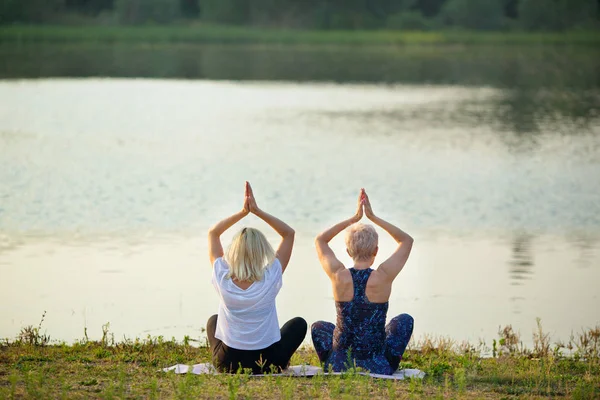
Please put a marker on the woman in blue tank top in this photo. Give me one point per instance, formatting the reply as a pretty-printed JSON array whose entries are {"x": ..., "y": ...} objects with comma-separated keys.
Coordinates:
[{"x": 360, "y": 337}]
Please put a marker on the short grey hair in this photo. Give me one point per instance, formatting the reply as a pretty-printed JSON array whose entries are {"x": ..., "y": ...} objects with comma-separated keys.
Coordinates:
[{"x": 361, "y": 241}]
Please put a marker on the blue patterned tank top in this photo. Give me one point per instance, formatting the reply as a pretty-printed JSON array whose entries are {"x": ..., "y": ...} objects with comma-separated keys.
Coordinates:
[{"x": 360, "y": 329}]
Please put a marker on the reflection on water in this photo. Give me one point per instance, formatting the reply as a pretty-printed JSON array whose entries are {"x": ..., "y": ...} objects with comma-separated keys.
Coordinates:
[
  {"x": 519, "y": 115},
  {"x": 543, "y": 86},
  {"x": 107, "y": 186},
  {"x": 586, "y": 248},
  {"x": 533, "y": 111},
  {"x": 525, "y": 67},
  {"x": 521, "y": 264}
]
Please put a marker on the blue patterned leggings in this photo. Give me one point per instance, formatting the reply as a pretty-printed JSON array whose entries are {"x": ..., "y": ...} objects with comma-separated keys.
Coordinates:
[{"x": 397, "y": 335}]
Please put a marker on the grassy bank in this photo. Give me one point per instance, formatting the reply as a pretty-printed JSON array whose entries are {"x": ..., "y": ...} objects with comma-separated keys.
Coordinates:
[
  {"x": 243, "y": 35},
  {"x": 31, "y": 368}
]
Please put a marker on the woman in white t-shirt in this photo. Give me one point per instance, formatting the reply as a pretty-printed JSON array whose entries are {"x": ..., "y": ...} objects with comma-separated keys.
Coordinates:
[{"x": 245, "y": 333}]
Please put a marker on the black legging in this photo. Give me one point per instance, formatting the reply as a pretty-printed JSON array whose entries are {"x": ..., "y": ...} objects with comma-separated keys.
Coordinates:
[{"x": 228, "y": 359}]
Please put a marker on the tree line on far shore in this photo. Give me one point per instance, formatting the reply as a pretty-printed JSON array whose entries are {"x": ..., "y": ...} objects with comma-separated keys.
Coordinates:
[{"x": 529, "y": 15}]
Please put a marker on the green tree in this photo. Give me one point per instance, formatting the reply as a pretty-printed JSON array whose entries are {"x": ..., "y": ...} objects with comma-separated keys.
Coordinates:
[
  {"x": 429, "y": 8},
  {"x": 190, "y": 8},
  {"x": 226, "y": 11},
  {"x": 385, "y": 8},
  {"x": 474, "y": 14},
  {"x": 411, "y": 21},
  {"x": 147, "y": 11},
  {"x": 29, "y": 10},
  {"x": 90, "y": 7},
  {"x": 556, "y": 14}
]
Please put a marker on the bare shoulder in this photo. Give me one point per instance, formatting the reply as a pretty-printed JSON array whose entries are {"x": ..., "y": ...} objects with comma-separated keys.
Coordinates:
[
  {"x": 379, "y": 287},
  {"x": 342, "y": 285},
  {"x": 343, "y": 276},
  {"x": 378, "y": 278}
]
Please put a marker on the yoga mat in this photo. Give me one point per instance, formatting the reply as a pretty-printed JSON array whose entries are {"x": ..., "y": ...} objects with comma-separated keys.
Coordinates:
[{"x": 295, "y": 371}]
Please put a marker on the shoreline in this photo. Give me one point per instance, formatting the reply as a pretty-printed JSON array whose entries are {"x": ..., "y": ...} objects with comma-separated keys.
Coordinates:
[{"x": 227, "y": 35}]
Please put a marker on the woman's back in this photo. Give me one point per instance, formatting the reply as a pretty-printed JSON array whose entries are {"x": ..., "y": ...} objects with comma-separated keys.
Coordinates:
[
  {"x": 378, "y": 288},
  {"x": 360, "y": 324},
  {"x": 247, "y": 317}
]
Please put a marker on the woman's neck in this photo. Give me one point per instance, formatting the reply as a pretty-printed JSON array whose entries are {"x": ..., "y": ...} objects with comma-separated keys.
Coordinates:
[{"x": 363, "y": 264}]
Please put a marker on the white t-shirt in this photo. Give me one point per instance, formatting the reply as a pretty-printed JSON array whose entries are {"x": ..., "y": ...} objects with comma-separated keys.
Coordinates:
[{"x": 247, "y": 318}]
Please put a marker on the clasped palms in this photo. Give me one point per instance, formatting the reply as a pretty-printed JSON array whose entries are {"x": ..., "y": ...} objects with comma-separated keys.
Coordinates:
[
  {"x": 250, "y": 205},
  {"x": 364, "y": 207}
]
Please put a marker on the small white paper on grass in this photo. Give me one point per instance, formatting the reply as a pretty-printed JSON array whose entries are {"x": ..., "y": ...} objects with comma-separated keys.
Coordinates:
[{"x": 295, "y": 370}]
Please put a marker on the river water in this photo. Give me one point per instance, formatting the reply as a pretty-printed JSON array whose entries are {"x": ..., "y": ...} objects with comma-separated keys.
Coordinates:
[{"x": 108, "y": 182}]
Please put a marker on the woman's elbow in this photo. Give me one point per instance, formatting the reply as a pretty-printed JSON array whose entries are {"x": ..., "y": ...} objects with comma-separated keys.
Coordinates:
[{"x": 409, "y": 240}]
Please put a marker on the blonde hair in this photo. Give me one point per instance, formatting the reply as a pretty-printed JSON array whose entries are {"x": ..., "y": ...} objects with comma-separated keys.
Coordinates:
[
  {"x": 248, "y": 255},
  {"x": 361, "y": 241}
]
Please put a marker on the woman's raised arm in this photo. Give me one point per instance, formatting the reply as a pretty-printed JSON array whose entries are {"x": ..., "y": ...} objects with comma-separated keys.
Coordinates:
[
  {"x": 393, "y": 265},
  {"x": 215, "y": 248},
  {"x": 284, "y": 251},
  {"x": 329, "y": 261}
]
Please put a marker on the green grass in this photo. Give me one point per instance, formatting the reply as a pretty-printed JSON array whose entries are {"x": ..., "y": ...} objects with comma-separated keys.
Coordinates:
[
  {"x": 31, "y": 368},
  {"x": 221, "y": 34}
]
